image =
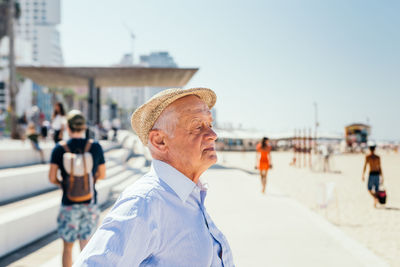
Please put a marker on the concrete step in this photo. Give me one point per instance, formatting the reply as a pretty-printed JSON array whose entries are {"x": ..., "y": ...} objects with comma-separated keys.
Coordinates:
[
  {"x": 17, "y": 183},
  {"x": 23, "y": 182},
  {"x": 25, "y": 221},
  {"x": 109, "y": 145},
  {"x": 122, "y": 135},
  {"x": 114, "y": 170},
  {"x": 119, "y": 155},
  {"x": 17, "y": 153}
]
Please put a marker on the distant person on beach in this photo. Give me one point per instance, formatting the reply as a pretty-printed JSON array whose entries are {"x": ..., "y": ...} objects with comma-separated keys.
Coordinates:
[
  {"x": 161, "y": 219},
  {"x": 81, "y": 162},
  {"x": 33, "y": 136},
  {"x": 326, "y": 151},
  {"x": 58, "y": 123},
  {"x": 263, "y": 161},
  {"x": 375, "y": 173}
]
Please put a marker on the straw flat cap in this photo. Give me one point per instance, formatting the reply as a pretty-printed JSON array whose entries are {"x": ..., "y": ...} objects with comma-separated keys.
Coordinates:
[{"x": 145, "y": 116}]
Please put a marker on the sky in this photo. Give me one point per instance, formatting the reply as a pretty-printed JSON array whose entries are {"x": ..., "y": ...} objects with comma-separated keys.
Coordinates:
[{"x": 267, "y": 61}]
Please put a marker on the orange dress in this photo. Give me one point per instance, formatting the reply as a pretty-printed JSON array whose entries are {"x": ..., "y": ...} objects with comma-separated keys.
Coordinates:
[{"x": 263, "y": 163}]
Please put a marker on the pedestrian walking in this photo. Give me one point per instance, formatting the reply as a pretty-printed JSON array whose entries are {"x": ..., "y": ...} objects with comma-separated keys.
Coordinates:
[
  {"x": 33, "y": 136},
  {"x": 81, "y": 162},
  {"x": 22, "y": 123},
  {"x": 326, "y": 152},
  {"x": 116, "y": 125},
  {"x": 43, "y": 124},
  {"x": 161, "y": 219},
  {"x": 58, "y": 123},
  {"x": 263, "y": 161},
  {"x": 375, "y": 178},
  {"x": 34, "y": 116}
]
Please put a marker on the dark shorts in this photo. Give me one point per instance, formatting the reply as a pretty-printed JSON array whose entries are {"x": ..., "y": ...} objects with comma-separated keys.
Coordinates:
[
  {"x": 56, "y": 136},
  {"x": 373, "y": 182},
  {"x": 36, "y": 146},
  {"x": 43, "y": 131},
  {"x": 77, "y": 221}
]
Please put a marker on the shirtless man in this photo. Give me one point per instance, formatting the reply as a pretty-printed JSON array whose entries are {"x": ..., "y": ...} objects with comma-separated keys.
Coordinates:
[{"x": 375, "y": 173}]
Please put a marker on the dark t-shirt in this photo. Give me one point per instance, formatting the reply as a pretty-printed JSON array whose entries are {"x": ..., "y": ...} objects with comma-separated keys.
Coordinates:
[
  {"x": 75, "y": 145},
  {"x": 34, "y": 137}
]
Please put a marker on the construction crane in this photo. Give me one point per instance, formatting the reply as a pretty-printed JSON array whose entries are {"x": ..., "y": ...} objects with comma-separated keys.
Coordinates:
[{"x": 132, "y": 37}]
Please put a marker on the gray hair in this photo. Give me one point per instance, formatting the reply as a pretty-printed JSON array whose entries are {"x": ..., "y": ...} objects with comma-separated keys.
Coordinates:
[{"x": 166, "y": 122}]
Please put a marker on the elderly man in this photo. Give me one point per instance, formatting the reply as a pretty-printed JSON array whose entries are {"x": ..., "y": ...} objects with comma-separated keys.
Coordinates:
[{"x": 161, "y": 219}]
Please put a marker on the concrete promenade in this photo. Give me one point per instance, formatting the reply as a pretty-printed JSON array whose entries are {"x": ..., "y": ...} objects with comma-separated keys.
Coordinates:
[
  {"x": 275, "y": 230},
  {"x": 263, "y": 230}
]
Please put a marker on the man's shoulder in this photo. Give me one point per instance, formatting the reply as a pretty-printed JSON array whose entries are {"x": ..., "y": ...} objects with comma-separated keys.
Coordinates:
[
  {"x": 146, "y": 187},
  {"x": 58, "y": 148},
  {"x": 95, "y": 143},
  {"x": 95, "y": 146},
  {"x": 372, "y": 156},
  {"x": 140, "y": 198}
]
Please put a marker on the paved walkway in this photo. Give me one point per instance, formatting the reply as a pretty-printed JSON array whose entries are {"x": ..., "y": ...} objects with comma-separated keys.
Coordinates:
[
  {"x": 274, "y": 230},
  {"x": 263, "y": 230}
]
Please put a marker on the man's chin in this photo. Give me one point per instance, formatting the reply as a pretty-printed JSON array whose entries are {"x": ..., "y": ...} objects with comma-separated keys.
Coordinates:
[
  {"x": 213, "y": 159},
  {"x": 210, "y": 158}
]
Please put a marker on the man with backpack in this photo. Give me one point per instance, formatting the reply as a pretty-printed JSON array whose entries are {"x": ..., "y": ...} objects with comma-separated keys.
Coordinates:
[{"x": 81, "y": 163}]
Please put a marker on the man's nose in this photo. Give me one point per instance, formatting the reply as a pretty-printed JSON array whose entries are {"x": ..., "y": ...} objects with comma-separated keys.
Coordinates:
[{"x": 211, "y": 134}]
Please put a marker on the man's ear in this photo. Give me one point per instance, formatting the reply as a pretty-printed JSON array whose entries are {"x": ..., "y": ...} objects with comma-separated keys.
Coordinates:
[{"x": 157, "y": 140}]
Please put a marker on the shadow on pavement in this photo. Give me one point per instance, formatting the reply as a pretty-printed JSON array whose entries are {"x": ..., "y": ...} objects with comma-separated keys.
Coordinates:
[
  {"x": 347, "y": 225},
  {"x": 218, "y": 166},
  {"x": 391, "y": 208},
  {"x": 28, "y": 249}
]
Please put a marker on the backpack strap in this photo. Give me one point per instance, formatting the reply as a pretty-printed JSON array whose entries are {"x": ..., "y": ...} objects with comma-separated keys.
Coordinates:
[
  {"x": 87, "y": 148},
  {"x": 71, "y": 175},
  {"x": 88, "y": 145},
  {"x": 85, "y": 172},
  {"x": 64, "y": 145}
]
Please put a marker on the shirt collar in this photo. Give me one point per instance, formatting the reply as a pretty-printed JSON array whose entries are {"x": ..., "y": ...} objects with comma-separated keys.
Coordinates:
[{"x": 181, "y": 184}]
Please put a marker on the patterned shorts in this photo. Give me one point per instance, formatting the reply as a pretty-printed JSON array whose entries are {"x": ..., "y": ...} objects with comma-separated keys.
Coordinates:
[{"x": 77, "y": 221}]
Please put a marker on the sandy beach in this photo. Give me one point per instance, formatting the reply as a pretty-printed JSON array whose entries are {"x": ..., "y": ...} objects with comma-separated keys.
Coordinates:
[{"x": 351, "y": 207}]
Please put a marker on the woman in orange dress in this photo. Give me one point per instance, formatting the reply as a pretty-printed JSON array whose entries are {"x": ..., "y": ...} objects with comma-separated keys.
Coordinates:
[{"x": 263, "y": 161}]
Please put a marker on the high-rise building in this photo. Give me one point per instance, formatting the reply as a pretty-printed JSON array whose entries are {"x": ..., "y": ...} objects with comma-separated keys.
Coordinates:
[
  {"x": 23, "y": 56},
  {"x": 155, "y": 60},
  {"x": 38, "y": 25},
  {"x": 130, "y": 98},
  {"x": 158, "y": 59}
]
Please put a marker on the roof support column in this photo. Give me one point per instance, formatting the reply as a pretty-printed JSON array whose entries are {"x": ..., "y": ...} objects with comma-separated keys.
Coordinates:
[
  {"x": 98, "y": 105},
  {"x": 91, "y": 101}
]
